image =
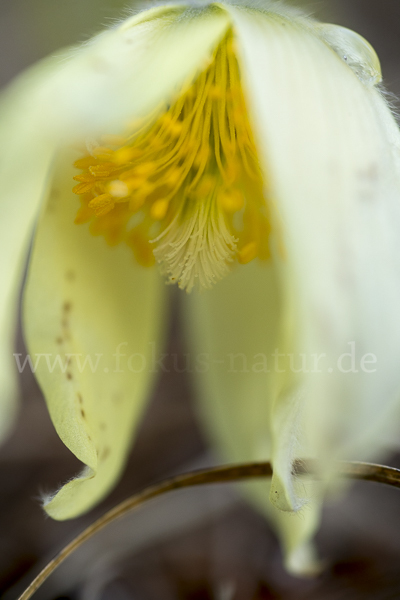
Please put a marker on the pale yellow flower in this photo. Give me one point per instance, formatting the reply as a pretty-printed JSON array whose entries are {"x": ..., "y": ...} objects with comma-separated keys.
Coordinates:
[{"x": 248, "y": 151}]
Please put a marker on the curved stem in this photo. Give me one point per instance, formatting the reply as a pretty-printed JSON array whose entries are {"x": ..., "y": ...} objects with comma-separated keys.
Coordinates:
[{"x": 224, "y": 474}]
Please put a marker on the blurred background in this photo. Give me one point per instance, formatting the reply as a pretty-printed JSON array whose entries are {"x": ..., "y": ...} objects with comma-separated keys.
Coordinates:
[{"x": 202, "y": 544}]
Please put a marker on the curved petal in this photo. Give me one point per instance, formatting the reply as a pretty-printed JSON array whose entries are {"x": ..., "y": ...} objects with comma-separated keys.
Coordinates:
[
  {"x": 121, "y": 75},
  {"x": 127, "y": 72},
  {"x": 93, "y": 323},
  {"x": 235, "y": 332},
  {"x": 24, "y": 165},
  {"x": 333, "y": 169}
]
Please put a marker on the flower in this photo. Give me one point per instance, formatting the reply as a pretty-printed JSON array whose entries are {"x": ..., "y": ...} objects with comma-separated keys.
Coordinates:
[{"x": 247, "y": 150}]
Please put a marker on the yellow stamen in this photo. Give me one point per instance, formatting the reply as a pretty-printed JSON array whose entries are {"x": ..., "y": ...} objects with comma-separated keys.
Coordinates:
[
  {"x": 125, "y": 154},
  {"x": 191, "y": 176},
  {"x": 231, "y": 200},
  {"x": 247, "y": 253},
  {"x": 83, "y": 188},
  {"x": 102, "y": 204},
  {"x": 159, "y": 209},
  {"x": 102, "y": 153},
  {"x": 85, "y": 178},
  {"x": 114, "y": 140},
  {"x": 118, "y": 189},
  {"x": 84, "y": 163}
]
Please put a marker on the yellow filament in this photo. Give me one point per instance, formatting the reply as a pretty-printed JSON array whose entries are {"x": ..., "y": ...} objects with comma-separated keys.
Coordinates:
[{"x": 190, "y": 178}]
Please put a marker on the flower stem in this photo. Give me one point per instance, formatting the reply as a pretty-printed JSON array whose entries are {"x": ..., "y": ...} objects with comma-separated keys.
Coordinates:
[{"x": 223, "y": 474}]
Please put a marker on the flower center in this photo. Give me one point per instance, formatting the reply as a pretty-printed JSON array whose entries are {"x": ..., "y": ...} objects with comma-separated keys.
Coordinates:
[{"x": 183, "y": 187}]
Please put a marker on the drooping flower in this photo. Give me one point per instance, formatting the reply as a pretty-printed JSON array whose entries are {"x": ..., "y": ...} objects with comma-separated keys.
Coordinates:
[{"x": 249, "y": 153}]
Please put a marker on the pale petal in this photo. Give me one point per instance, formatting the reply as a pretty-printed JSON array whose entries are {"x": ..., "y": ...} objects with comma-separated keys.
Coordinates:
[
  {"x": 355, "y": 50},
  {"x": 234, "y": 330},
  {"x": 24, "y": 163},
  {"x": 119, "y": 76},
  {"x": 85, "y": 303},
  {"x": 127, "y": 72},
  {"x": 332, "y": 165}
]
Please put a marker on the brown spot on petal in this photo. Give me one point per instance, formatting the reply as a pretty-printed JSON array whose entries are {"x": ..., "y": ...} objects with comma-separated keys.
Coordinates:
[
  {"x": 69, "y": 375},
  {"x": 370, "y": 173},
  {"x": 52, "y": 201},
  {"x": 70, "y": 275},
  {"x": 105, "y": 453},
  {"x": 117, "y": 398},
  {"x": 67, "y": 306}
]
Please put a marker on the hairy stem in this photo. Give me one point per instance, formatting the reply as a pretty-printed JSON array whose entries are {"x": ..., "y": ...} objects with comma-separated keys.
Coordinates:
[{"x": 224, "y": 474}]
